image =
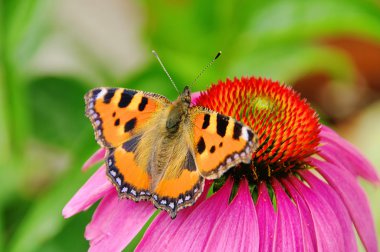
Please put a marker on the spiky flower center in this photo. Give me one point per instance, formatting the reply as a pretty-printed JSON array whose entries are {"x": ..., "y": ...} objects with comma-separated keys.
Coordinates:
[{"x": 286, "y": 125}]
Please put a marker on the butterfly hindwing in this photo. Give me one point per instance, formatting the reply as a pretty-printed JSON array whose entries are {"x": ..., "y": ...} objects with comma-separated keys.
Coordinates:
[
  {"x": 130, "y": 179},
  {"x": 173, "y": 193},
  {"x": 117, "y": 114},
  {"x": 220, "y": 142}
]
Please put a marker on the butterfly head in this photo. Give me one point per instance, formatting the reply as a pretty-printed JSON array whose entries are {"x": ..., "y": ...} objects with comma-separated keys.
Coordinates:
[{"x": 186, "y": 96}]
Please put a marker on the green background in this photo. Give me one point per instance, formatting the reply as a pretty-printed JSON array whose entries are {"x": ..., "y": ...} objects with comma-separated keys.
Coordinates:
[{"x": 52, "y": 52}]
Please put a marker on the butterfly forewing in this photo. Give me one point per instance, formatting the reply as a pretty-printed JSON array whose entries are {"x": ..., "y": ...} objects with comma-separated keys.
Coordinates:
[
  {"x": 220, "y": 142},
  {"x": 117, "y": 114}
]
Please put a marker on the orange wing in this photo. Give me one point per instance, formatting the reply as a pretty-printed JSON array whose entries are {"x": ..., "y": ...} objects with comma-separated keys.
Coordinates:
[
  {"x": 117, "y": 114},
  {"x": 130, "y": 180},
  {"x": 220, "y": 142},
  {"x": 175, "y": 193}
]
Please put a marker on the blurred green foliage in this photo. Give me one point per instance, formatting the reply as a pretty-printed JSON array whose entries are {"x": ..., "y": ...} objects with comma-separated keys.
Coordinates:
[{"x": 42, "y": 123}]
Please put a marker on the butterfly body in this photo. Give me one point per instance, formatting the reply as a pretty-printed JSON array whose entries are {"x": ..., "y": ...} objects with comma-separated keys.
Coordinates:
[{"x": 163, "y": 151}]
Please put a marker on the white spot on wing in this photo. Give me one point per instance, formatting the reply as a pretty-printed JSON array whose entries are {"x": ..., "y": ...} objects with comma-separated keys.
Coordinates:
[
  {"x": 133, "y": 192},
  {"x": 244, "y": 133},
  {"x": 125, "y": 189},
  {"x": 171, "y": 205},
  {"x": 118, "y": 181},
  {"x": 180, "y": 201},
  {"x": 163, "y": 202},
  {"x": 187, "y": 197},
  {"x": 101, "y": 93},
  {"x": 113, "y": 173}
]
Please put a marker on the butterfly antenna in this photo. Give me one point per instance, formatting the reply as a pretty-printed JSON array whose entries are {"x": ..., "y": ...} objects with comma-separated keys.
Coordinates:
[
  {"x": 163, "y": 67},
  {"x": 206, "y": 67}
]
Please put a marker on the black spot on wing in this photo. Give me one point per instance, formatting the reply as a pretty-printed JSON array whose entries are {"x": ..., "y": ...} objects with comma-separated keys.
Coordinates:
[
  {"x": 108, "y": 96},
  {"x": 131, "y": 145},
  {"x": 113, "y": 114},
  {"x": 130, "y": 125},
  {"x": 143, "y": 103},
  {"x": 221, "y": 124},
  {"x": 250, "y": 135},
  {"x": 117, "y": 122},
  {"x": 206, "y": 121},
  {"x": 237, "y": 131},
  {"x": 212, "y": 149},
  {"x": 95, "y": 92},
  {"x": 189, "y": 162},
  {"x": 220, "y": 144},
  {"x": 201, "y": 146},
  {"x": 126, "y": 98}
]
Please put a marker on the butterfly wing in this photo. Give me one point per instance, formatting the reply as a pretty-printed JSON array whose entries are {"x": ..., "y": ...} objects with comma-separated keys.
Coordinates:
[
  {"x": 120, "y": 117},
  {"x": 131, "y": 179},
  {"x": 179, "y": 187},
  {"x": 220, "y": 142},
  {"x": 117, "y": 114}
]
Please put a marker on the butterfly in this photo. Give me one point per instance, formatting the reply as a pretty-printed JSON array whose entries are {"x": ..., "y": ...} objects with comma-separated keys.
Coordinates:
[{"x": 163, "y": 151}]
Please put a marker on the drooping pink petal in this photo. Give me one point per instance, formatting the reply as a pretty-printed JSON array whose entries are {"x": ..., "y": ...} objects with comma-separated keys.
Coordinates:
[
  {"x": 266, "y": 218},
  {"x": 306, "y": 221},
  {"x": 201, "y": 221},
  {"x": 329, "y": 153},
  {"x": 287, "y": 231},
  {"x": 327, "y": 193},
  {"x": 349, "y": 155},
  {"x": 116, "y": 222},
  {"x": 95, "y": 158},
  {"x": 163, "y": 228},
  {"x": 237, "y": 228},
  {"x": 354, "y": 198},
  {"x": 96, "y": 187},
  {"x": 327, "y": 228}
]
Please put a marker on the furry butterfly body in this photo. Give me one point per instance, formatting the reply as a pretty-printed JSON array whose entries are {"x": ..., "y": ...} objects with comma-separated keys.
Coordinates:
[{"x": 163, "y": 151}]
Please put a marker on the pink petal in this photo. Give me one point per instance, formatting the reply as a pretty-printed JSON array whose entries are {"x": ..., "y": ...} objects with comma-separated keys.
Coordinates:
[
  {"x": 287, "y": 232},
  {"x": 95, "y": 158},
  {"x": 327, "y": 228},
  {"x": 194, "y": 97},
  {"x": 306, "y": 219},
  {"x": 326, "y": 192},
  {"x": 163, "y": 228},
  {"x": 237, "y": 229},
  {"x": 349, "y": 155},
  {"x": 266, "y": 217},
  {"x": 354, "y": 198},
  {"x": 195, "y": 230},
  {"x": 116, "y": 222},
  {"x": 94, "y": 189}
]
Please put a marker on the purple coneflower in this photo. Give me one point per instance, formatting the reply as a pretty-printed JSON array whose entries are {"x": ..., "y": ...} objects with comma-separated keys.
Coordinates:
[{"x": 300, "y": 192}]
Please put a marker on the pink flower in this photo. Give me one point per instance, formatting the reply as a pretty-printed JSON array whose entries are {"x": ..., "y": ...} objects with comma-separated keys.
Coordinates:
[{"x": 300, "y": 193}]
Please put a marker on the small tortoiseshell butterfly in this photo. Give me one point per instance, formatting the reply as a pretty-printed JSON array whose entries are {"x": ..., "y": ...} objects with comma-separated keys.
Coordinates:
[{"x": 162, "y": 151}]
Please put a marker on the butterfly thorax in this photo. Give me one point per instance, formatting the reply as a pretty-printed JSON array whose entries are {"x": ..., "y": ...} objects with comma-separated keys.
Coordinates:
[
  {"x": 171, "y": 142},
  {"x": 178, "y": 111}
]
